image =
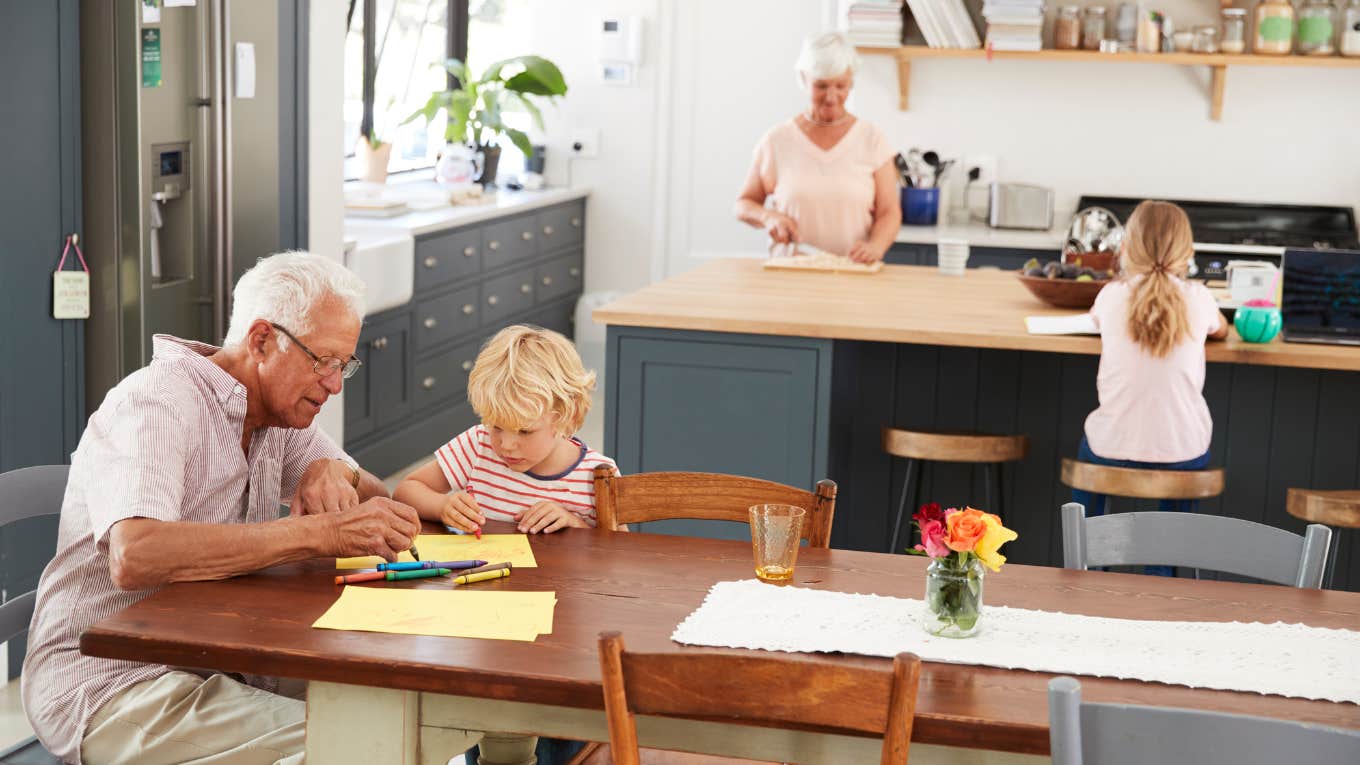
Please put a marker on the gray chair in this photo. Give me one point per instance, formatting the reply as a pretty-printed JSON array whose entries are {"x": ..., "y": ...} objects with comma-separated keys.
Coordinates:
[
  {"x": 1212, "y": 542},
  {"x": 1085, "y": 733},
  {"x": 25, "y": 493}
]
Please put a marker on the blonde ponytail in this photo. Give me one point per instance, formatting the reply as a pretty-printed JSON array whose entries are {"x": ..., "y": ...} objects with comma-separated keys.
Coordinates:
[{"x": 1158, "y": 245}]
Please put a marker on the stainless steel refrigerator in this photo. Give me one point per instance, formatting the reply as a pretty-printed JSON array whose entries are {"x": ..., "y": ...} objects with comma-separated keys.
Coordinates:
[{"x": 193, "y": 113}]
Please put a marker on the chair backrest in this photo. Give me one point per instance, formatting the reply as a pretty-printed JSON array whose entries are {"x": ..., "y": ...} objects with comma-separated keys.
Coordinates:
[
  {"x": 1212, "y": 542},
  {"x": 1085, "y": 733},
  {"x": 756, "y": 689},
  {"x": 28, "y": 492},
  {"x": 706, "y": 496}
]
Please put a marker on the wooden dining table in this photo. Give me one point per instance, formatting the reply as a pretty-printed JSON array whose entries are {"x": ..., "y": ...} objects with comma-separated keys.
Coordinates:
[{"x": 383, "y": 698}]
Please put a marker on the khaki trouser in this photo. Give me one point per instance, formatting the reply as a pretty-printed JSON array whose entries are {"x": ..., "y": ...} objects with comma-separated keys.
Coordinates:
[{"x": 182, "y": 718}]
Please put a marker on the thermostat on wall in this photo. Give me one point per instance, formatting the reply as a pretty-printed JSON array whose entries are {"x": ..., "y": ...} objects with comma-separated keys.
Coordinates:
[{"x": 620, "y": 49}]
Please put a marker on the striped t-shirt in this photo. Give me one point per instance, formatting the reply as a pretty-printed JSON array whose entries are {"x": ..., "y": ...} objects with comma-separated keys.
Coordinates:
[{"x": 502, "y": 494}]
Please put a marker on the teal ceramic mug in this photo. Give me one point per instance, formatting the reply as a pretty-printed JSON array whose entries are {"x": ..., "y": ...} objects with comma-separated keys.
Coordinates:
[{"x": 1258, "y": 321}]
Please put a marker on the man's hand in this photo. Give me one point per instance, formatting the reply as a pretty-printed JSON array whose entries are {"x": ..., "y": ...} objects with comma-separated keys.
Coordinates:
[
  {"x": 547, "y": 517},
  {"x": 380, "y": 526},
  {"x": 460, "y": 511},
  {"x": 326, "y": 487}
]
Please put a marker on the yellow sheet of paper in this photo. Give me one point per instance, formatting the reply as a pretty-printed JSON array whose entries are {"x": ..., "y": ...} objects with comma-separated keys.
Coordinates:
[
  {"x": 492, "y": 548},
  {"x": 445, "y": 613}
]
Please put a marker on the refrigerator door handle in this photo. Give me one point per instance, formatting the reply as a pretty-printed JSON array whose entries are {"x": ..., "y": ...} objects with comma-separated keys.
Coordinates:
[{"x": 220, "y": 13}]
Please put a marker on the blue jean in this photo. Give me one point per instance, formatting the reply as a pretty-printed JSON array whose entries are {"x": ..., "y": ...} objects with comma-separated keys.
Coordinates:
[{"x": 1095, "y": 503}]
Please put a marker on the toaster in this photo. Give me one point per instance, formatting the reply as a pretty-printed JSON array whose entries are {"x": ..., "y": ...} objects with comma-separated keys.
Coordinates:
[{"x": 1015, "y": 205}]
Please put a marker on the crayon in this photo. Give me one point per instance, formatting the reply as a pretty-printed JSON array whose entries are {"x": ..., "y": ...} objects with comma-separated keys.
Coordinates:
[
  {"x": 407, "y": 565},
  {"x": 481, "y": 577},
  {"x": 368, "y": 576},
  {"x": 490, "y": 567},
  {"x": 421, "y": 574},
  {"x": 455, "y": 530},
  {"x": 414, "y": 554}
]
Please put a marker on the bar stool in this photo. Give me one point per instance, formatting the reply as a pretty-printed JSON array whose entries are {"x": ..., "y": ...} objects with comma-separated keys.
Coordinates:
[
  {"x": 1330, "y": 508},
  {"x": 916, "y": 446},
  {"x": 1142, "y": 483}
]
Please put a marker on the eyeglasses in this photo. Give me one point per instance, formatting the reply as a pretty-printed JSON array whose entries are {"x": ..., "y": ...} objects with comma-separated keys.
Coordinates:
[{"x": 324, "y": 366}]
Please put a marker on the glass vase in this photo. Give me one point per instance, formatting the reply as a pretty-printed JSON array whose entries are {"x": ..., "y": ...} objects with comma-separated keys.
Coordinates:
[{"x": 953, "y": 597}]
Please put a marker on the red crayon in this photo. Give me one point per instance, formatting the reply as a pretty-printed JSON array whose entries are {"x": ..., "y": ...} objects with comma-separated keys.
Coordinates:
[{"x": 368, "y": 576}]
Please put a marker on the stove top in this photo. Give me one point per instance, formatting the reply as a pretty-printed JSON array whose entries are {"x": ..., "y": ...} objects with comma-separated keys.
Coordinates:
[{"x": 1234, "y": 224}]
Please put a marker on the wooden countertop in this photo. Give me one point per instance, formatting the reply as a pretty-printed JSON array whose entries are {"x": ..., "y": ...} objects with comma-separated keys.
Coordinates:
[{"x": 985, "y": 308}]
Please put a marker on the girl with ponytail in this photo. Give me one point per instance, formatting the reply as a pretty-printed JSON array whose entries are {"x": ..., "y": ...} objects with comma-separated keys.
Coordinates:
[{"x": 1153, "y": 323}]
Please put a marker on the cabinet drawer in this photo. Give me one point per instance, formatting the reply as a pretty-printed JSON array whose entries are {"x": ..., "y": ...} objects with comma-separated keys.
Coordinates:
[
  {"x": 441, "y": 259},
  {"x": 507, "y": 295},
  {"x": 559, "y": 276},
  {"x": 442, "y": 318},
  {"x": 562, "y": 226},
  {"x": 509, "y": 241},
  {"x": 445, "y": 375}
]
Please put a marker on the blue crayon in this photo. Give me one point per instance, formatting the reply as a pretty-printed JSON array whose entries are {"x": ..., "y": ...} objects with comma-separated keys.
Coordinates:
[
  {"x": 418, "y": 565},
  {"x": 402, "y": 566}
]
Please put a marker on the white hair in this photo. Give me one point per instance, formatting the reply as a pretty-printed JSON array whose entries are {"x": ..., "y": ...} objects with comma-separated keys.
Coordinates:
[
  {"x": 825, "y": 56},
  {"x": 285, "y": 287}
]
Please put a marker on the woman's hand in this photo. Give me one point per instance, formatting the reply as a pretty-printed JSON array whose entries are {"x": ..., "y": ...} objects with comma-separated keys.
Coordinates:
[
  {"x": 781, "y": 228},
  {"x": 547, "y": 517},
  {"x": 864, "y": 252}
]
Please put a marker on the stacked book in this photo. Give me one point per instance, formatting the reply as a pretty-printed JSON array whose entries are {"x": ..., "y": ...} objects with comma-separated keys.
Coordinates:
[
  {"x": 945, "y": 23},
  {"x": 874, "y": 23},
  {"x": 1014, "y": 24}
]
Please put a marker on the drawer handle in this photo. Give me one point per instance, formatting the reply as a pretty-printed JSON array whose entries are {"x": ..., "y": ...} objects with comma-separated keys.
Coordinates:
[
  {"x": 427, "y": 383},
  {"x": 492, "y": 300},
  {"x": 429, "y": 322},
  {"x": 525, "y": 289},
  {"x": 575, "y": 271},
  {"x": 493, "y": 245},
  {"x": 469, "y": 251},
  {"x": 467, "y": 366},
  {"x": 547, "y": 280},
  {"x": 380, "y": 343},
  {"x": 431, "y": 261},
  {"x": 576, "y": 222},
  {"x": 468, "y": 309},
  {"x": 526, "y": 235},
  {"x": 547, "y": 230}
]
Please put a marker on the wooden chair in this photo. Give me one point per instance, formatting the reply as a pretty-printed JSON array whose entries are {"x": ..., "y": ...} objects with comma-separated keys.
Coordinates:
[
  {"x": 756, "y": 689},
  {"x": 706, "y": 496},
  {"x": 1212, "y": 542},
  {"x": 916, "y": 446},
  {"x": 1330, "y": 508},
  {"x": 1086, "y": 733},
  {"x": 30, "y": 492}
]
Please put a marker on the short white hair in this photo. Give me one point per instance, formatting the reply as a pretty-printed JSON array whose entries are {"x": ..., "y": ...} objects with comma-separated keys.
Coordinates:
[
  {"x": 284, "y": 288},
  {"x": 825, "y": 56}
]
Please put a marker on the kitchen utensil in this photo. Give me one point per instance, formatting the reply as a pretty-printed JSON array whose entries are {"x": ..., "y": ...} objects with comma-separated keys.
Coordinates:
[{"x": 903, "y": 171}]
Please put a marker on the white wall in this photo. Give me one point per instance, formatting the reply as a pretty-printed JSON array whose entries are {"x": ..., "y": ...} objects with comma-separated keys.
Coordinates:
[
  {"x": 326, "y": 202},
  {"x": 716, "y": 74}
]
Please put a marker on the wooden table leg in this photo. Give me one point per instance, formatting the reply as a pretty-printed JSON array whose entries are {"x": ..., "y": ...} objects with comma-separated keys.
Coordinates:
[{"x": 507, "y": 749}]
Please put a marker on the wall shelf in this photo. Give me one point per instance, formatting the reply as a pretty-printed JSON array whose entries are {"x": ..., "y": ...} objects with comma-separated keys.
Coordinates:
[{"x": 1218, "y": 63}]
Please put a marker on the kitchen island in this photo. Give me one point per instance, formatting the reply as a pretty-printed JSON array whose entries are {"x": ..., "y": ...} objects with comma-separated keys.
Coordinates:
[{"x": 790, "y": 376}]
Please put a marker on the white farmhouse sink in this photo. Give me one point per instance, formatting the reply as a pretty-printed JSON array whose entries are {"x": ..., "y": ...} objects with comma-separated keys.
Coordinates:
[{"x": 385, "y": 259}]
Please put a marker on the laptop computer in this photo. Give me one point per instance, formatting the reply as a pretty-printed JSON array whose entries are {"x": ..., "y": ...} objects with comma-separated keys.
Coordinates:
[{"x": 1321, "y": 296}]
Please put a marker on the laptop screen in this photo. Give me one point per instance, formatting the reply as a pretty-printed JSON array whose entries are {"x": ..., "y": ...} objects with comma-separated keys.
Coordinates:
[{"x": 1321, "y": 292}]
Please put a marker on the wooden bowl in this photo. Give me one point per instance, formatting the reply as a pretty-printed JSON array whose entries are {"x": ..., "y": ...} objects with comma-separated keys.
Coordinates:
[
  {"x": 1100, "y": 261},
  {"x": 1063, "y": 293}
]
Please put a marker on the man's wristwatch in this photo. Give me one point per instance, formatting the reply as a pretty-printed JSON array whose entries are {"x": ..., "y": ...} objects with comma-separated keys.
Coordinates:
[{"x": 354, "y": 477}]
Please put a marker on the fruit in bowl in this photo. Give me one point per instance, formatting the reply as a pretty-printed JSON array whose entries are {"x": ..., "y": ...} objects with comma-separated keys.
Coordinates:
[{"x": 1064, "y": 285}]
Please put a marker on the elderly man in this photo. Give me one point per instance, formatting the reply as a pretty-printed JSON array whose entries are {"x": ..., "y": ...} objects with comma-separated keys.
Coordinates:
[{"x": 179, "y": 477}]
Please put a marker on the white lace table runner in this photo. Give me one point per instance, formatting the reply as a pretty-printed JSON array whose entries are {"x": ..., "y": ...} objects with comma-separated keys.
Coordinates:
[{"x": 1282, "y": 659}]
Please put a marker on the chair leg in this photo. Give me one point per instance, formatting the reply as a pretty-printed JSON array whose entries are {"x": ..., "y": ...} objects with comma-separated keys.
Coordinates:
[{"x": 902, "y": 506}]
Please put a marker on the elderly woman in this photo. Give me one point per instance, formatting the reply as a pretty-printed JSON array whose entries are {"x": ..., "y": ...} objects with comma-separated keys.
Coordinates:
[{"x": 830, "y": 174}]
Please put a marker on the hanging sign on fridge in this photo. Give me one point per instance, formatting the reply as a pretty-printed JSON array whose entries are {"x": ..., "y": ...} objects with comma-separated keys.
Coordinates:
[
  {"x": 151, "y": 11},
  {"x": 71, "y": 289},
  {"x": 151, "y": 57}
]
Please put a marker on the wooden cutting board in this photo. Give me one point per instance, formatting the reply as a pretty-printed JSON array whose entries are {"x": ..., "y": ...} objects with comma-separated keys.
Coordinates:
[{"x": 822, "y": 262}]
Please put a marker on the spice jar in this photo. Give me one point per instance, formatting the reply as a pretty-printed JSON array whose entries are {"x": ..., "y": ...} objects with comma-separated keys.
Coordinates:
[
  {"x": 1274, "y": 27},
  {"x": 1093, "y": 27},
  {"x": 1126, "y": 23},
  {"x": 1233, "y": 36},
  {"x": 1067, "y": 28},
  {"x": 1206, "y": 39},
  {"x": 1350, "y": 29},
  {"x": 1317, "y": 27}
]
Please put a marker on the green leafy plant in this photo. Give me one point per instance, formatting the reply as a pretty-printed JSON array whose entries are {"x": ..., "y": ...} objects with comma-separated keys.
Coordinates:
[{"x": 475, "y": 108}]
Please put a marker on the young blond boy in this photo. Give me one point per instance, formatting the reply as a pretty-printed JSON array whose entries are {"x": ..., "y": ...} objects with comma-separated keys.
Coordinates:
[{"x": 523, "y": 463}]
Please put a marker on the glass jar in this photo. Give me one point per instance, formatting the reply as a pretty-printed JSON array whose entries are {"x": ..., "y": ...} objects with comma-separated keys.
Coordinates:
[
  {"x": 1233, "y": 37},
  {"x": 1317, "y": 28},
  {"x": 1126, "y": 23},
  {"x": 1067, "y": 28},
  {"x": 953, "y": 603},
  {"x": 1206, "y": 39},
  {"x": 1092, "y": 27},
  {"x": 1350, "y": 29},
  {"x": 1274, "y": 28}
]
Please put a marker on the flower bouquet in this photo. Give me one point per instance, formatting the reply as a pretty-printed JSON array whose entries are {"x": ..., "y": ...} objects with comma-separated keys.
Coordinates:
[{"x": 959, "y": 543}]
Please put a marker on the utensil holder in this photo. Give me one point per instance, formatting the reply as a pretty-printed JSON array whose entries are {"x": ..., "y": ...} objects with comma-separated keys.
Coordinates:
[{"x": 920, "y": 207}]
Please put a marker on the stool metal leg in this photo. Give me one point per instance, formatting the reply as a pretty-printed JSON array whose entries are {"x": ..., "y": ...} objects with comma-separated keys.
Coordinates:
[
  {"x": 902, "y": 505},
  {"x": 991, "y": 487}
]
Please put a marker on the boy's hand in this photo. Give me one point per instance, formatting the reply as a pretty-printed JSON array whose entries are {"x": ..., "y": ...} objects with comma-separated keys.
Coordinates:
[
  {"x": 461, "y": 512},
  {"x": 547, "y": 517}
]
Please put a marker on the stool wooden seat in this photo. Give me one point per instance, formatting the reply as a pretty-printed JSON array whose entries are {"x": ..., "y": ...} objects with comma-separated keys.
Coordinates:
[
  {"x": 1142, "y": 483},
  {"x": 1330, "y": 508},
  {"x": 916, "y": 446}
]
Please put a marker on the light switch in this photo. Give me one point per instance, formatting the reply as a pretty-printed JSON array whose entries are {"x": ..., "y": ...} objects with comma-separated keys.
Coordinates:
[{"x": 245, "y": 70}]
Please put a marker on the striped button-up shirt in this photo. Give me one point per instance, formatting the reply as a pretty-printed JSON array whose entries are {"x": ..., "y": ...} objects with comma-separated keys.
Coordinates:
[{"x": 165, "y": 444}]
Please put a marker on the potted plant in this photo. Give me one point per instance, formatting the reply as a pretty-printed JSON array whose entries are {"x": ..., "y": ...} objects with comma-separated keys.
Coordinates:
[
  {"x": 373, "y": 154},
  {"x": 475, "y": 108}
]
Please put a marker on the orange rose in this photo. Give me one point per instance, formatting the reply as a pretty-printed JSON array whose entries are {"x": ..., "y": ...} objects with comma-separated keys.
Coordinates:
[{"x": 966, "y": 527}]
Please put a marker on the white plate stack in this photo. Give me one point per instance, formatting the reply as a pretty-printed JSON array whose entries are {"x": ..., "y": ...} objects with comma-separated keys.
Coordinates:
[{"x": 953, "y": 256}]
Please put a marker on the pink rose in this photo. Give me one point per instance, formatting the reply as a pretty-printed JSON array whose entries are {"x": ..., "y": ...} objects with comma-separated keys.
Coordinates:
[{"x": 932, "y": 539}]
